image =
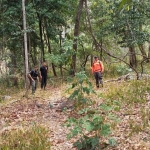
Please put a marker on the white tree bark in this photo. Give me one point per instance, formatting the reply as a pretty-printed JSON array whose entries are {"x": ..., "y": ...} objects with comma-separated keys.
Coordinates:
[{"x": 25, "y": 43}]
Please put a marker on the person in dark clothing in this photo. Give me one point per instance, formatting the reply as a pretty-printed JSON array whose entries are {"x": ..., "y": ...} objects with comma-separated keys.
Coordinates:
[
  {"x": 43, "y": 75},
  {"x": 33, "y": 76}
]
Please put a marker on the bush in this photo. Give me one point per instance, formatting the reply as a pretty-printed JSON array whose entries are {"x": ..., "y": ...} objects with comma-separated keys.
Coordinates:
[{"x": 115, "y": 70}]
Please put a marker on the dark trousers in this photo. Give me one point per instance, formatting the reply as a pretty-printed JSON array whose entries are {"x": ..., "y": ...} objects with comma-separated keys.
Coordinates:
[
  {"x": 98, "y": 78},
  {"x": 43, "y": 82}
]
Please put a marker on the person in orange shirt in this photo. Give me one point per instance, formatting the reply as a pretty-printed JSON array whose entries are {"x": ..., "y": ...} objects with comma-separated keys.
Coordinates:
[{"x": 97, "y": 70}]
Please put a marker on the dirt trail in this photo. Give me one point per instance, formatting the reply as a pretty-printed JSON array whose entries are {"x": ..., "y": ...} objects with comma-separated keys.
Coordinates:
[
  {"x": 37, "y": 109},
  {"x": 42, "y": 109}
]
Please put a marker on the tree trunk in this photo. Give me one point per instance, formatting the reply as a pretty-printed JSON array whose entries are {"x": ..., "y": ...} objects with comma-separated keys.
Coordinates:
[
  {"x": 76, "y": 34},
  {"x": 25, "y": 43},
  {"x": 149, "y": 52},
  {"x": 35, "y": 54},
  {"x": 41, "y": 38},
  {"x": 30, "y": 51},
  {"x": 85, "y": 61},
  {"x": 60, "y": 39},
  {"x": 91, "y": 60},
  {"x": 49, "y": 47},
  {"x": 49, "y": 50},
  {"x": 13, "y": 62},
  {"x": 143, "y": 52},
  {"x": 101, "y": 50},
  {"x": 132, "y": 57}
]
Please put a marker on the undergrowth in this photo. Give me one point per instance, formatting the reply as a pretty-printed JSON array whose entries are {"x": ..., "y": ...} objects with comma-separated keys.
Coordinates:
[
  {"x": 130, "y": 92},
  {"x": 91, "y": 122},
  {"x": 34, "y": 138},
  {"x": 131, "y": 98}
]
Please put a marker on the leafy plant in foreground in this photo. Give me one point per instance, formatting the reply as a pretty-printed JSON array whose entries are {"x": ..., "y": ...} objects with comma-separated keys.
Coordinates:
[
  {"x": 81, "y": 87},
  {"x": 89, "y": 124}
]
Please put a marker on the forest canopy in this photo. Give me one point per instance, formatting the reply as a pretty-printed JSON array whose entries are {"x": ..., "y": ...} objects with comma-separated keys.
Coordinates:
[{"x": 68, "y": 34}]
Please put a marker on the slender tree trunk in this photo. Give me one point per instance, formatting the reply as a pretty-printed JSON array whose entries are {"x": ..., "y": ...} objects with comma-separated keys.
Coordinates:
[
  {"x": 32, "y": 58},
  {"x": 13, "y": 62},
  {"x": 53, "y": 66},
  {"x": 149, "y": 52},
  {"x": 2, "y": 23},
  {"x": 95, "y": 42},
  {"x": 49, "y": 47},
  {"x": 41, "y": 38},
  {"x": 141, "y": 47},
  {"x": 85, "y": 61},
  {"x": 143, "y": 52},
  {"x": 30, "y": 51},
  {"x": 91, "y": 60},
  {"x": 60, "y": 40},
  {"x": 25, "y": 43},
  {"x": 35, "y": 54},
  {"x": 132, "y": 57},
  {"x": 101, "y": 50},
  {"x": 76, "y": 34}
]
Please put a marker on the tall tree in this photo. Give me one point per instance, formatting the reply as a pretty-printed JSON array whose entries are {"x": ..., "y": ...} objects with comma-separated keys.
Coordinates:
[
  {"x": 25, "y": 42},
  {"x": 76, "y": 34}
]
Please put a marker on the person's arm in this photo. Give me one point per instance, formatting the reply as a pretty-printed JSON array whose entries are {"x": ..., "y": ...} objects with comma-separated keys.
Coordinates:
[{"x": 30, "y": 76}]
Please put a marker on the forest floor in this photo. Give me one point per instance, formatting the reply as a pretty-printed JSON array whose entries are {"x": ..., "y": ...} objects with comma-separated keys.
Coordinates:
[{"x": 43, "y": 108}]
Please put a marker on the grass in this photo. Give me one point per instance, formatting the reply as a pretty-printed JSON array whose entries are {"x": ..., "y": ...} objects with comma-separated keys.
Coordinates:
[
  {"x": 131, "y": 101},
  {"x": 33, "y": 138},
  {"x": 128, "y": 92}
]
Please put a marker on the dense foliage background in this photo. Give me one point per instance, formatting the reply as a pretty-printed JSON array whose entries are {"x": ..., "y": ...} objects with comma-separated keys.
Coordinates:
[{"x": 68, "y": 33}]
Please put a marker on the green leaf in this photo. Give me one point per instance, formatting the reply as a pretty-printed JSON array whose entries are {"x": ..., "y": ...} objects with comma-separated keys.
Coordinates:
[
  {"x": 75, "y": 131},
  {"x": 86, "y": 90},
  {"x": 95, "y": 142},
  {"x": 113, "y": 117},
  {"x": 105, "y": 130},
  {"x": 123, "y": 3},
  {"x": 83, "y": 111},
  {"x": 72, "y": 120},
  {"x": 75, "y": 93},
  {"x": 97, "y": 119},
  {"x": 69, "y": 79},
  {"x": 112, "y": 141},
  {"x": 105, "y": 107},
  {"x": 89, "y": 126}
]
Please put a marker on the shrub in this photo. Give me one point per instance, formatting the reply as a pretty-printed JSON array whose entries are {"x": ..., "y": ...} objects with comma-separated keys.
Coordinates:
[{"x": 89, "y": 124}]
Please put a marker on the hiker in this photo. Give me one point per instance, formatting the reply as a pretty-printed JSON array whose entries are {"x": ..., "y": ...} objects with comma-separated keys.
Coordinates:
[
  {"x": 33, "y": 76},
  {"x": 43, "y": 75},
  {"x": 97, "y": 70}
]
